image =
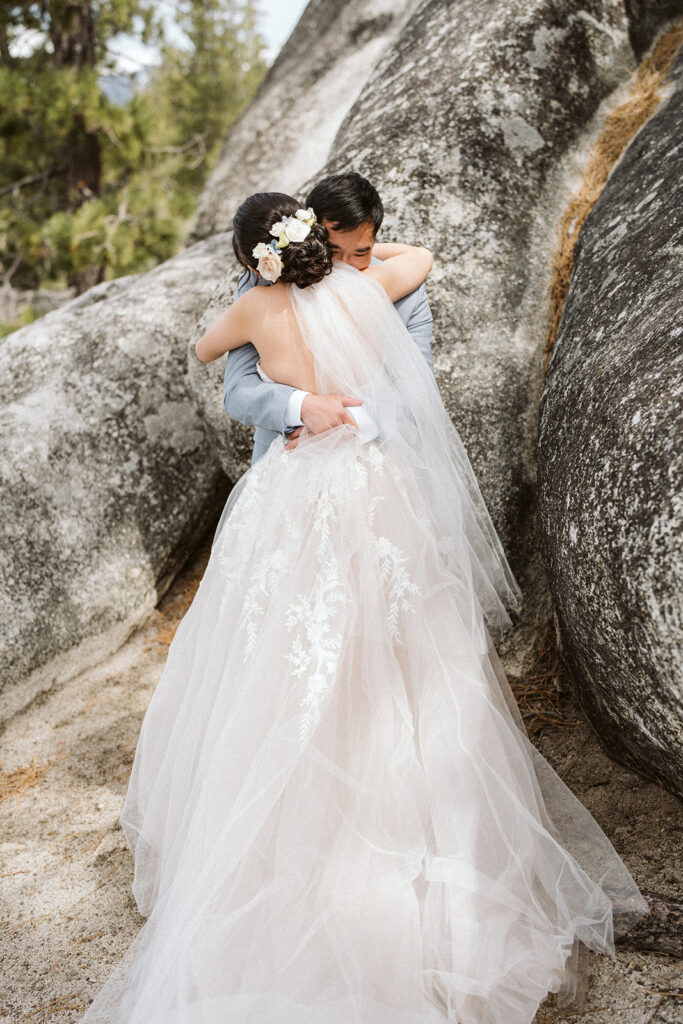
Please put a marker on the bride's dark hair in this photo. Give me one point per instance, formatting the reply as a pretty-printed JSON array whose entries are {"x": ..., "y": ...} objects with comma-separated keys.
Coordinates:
[{"x": 303, "y": 263}]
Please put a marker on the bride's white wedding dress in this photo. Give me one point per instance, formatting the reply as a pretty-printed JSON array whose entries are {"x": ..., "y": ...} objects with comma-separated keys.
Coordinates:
[{"x": 336, "y": 815}]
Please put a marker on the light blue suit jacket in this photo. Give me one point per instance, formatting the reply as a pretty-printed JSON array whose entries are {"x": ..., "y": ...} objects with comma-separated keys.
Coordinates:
[{"x": 262, "y": 404}]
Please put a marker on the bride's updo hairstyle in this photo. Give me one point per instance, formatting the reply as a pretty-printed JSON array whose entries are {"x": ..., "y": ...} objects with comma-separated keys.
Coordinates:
[{"x": 303, "y": 263}]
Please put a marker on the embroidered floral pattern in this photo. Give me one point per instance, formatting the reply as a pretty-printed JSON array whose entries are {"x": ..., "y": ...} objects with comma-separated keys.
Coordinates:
[
  {"x": 315, "y": 619},
  {"x": 398, "y": 584},
  {"x": 317, "y": 643},
  {"x": 264, "y": 583}
]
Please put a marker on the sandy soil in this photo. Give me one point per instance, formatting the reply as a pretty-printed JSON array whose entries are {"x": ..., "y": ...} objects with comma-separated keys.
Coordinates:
[{"x": 66, "y": 872}]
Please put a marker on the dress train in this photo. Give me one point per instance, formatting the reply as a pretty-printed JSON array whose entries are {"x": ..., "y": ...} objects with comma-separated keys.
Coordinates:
[{"x": 335, "y": 811}]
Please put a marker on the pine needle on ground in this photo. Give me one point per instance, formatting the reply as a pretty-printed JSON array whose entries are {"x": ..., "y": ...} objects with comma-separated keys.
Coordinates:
[
  {"x": 20, "y": 781},
  {"x": 540, "y": 702},
  {"x": 41, "y": 1013}
]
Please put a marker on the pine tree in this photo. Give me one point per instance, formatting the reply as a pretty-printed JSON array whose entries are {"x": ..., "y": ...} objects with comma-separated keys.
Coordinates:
[
  {"x": 200, "y": 88},
  {"x": 90, "y": 189}
]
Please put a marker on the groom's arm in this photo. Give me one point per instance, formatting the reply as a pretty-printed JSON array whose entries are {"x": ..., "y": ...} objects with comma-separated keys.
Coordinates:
[
  {"x": 420, "y": 323},
  {"x": 249, "y": 399}
]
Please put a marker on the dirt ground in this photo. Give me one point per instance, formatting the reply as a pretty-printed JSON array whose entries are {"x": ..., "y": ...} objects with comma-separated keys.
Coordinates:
[{"x": 65, "y": 875}]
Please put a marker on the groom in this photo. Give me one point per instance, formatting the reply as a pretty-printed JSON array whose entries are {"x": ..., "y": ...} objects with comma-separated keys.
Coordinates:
[{"x": 351, "y": 210}]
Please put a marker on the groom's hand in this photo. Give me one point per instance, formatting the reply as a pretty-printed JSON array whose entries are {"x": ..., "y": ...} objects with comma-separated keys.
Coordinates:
[{"x": 323, "y": 412}]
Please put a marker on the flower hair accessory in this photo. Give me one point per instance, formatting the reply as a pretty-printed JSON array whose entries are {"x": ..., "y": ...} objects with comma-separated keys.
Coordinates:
[{"x": 289, "y": 229}]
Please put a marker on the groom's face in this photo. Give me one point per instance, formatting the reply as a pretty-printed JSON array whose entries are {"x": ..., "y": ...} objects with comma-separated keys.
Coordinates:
[{"x": 353, "y": 247}]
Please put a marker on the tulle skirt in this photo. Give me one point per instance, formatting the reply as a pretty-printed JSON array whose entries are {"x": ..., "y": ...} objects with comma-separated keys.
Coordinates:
[{"x": 335, "y": 812}]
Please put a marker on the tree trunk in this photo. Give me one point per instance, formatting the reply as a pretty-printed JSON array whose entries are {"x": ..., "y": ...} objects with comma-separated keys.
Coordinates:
[
  {"x": 81, "y": 158},
  {"x": 72, "y": 33},
  {"x": 5, "y": 57}
]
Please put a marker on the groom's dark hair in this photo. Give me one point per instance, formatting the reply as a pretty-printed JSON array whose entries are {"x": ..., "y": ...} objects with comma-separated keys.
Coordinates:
[{"x": 347, "y": 201}]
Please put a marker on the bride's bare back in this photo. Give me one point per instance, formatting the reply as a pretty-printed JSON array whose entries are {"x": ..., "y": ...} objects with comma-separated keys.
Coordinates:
[
  {"x": 264, "y": 317},
  {"x": 275, "y": 333}
]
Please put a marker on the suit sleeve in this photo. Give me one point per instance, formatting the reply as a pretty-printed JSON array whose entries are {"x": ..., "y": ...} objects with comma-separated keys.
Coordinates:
[
  {"x": 246, "y": 397},
  {"x": 420, "y": 325}
]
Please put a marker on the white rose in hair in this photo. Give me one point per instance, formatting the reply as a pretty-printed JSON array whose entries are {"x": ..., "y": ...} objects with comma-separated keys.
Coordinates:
[
  {"x": 278, "y": 229},
  {"x": 296, "y": 230},
  {"x": 307, "y": 216},
  {"x": 261, "y": 250}
]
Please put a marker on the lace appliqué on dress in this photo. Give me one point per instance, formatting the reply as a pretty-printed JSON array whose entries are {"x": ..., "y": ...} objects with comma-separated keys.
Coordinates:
[
  {"x": 398, "y": 584},
  {"x": 316, "y": 620}
]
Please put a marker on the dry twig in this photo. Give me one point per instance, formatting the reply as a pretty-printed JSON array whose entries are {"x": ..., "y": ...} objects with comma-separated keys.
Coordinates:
[
  {"x": 54, "y": 1006},
  {"x": 72, "y": 945},
  {"x": 573, "y": 1013}
]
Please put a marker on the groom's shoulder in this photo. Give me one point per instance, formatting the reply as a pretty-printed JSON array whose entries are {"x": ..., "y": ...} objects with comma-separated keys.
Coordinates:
[
  {"x": 245, "y": 281},
  {"x": 249, "y": 279}
]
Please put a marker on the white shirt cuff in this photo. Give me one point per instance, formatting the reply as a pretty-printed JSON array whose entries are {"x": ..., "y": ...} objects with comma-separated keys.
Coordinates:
[{"x": 293, "y": 410}]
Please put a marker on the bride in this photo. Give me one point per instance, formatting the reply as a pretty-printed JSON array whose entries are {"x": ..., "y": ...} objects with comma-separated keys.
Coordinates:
[{"x": 335, "y": 812}]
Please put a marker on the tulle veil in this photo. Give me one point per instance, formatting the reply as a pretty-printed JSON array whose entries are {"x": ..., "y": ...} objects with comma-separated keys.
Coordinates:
[{"x": 362, "y": 348}]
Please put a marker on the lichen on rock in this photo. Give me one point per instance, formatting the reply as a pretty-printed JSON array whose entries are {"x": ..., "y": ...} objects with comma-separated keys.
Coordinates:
[{"x": 106, "y": 469}]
